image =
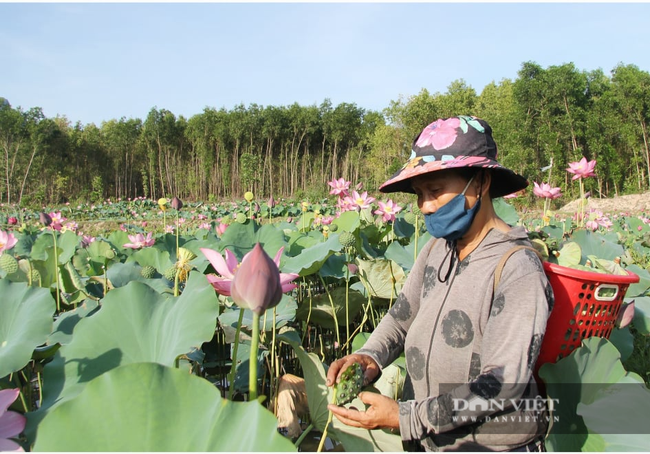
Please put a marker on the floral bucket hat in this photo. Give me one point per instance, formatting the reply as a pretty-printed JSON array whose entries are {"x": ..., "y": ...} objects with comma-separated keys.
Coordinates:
[{"x": 455, "y": 142}]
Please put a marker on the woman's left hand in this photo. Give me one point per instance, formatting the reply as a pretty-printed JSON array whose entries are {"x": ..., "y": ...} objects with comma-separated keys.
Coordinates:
[{"x": 383, "y": 412}]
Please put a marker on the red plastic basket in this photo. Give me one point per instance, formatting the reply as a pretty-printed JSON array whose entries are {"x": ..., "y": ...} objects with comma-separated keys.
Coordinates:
[{"x": 586, "y": 305}]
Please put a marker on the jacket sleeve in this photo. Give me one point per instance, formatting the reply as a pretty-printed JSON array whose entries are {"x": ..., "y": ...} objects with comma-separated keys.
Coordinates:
[
  {"x": 511, "y": 342},
  {"x": 386, "y": 342}
]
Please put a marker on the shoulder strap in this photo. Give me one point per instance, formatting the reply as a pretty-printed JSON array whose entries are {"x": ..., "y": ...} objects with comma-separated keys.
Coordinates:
[{"x": 504, "y": 259}]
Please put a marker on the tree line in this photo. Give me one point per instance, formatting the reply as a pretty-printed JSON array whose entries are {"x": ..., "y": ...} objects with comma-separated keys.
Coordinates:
[{"x": 556, "y": 114}]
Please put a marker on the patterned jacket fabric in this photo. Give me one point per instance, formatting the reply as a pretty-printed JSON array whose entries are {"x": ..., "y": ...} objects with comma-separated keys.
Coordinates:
[{"x": 469, "y": 350}]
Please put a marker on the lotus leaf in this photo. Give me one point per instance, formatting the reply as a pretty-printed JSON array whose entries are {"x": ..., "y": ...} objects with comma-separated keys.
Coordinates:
[{"x": 151, "y": 407}]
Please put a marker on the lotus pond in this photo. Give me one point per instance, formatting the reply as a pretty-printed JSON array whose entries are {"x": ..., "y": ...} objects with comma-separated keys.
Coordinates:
[{"x": 120, "y": 329}]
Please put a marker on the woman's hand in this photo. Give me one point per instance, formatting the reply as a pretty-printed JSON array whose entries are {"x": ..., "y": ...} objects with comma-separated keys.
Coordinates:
[
  {"x": 383, "y": 412},
  {"x": 368, "y": 365}
]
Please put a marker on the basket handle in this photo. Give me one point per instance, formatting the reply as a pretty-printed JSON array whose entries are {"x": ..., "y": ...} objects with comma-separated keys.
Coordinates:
[{"x": 606, "y": 295}]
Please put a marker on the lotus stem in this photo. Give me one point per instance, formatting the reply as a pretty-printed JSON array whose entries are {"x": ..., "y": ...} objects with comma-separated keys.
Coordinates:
[
  {"x": 178, "y": 272},
  {"x": 303, "y": 435},
  {"x": 329, "y": 420},
  {"x": 233, "y": 366},
  {"x": 56, "y": 274},
  {"x": 336, "y": 322},
  {"x": 347, "y": 301},
  {"x": 177, "y": 232},
  {"x": 252, "y": 363}
]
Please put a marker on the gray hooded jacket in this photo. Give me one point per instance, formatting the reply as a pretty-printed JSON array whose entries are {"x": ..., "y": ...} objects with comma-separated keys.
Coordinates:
[{"x": 469, "y": 350}]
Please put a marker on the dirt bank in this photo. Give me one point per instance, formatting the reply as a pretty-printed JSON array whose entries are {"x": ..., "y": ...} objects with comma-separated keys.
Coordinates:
[{"x": 633, "y": 203}]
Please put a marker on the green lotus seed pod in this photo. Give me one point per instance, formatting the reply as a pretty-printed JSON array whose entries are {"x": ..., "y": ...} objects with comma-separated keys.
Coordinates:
[
  {"x": 347, "y": 239},
  {"x": 350, "y": 384},
  {"x": 148, "y": 272},
  {"x": 333, "y": 227},
  {"x": 36, "y": 276},
  {"x": 170, "y": 273},
  {"x": 241, "y": 218},
  {"x": 8, "y": 263},
  {"x": 110, "y": 254},
  {"x": 410, "y": 218}
]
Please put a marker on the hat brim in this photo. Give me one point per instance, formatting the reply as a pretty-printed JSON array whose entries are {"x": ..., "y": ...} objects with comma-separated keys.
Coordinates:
[{"x": 507, "y": 181}]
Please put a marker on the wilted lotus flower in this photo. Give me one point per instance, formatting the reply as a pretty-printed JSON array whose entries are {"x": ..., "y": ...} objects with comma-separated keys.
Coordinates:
[
  {"x": 177, "y": 204},
  {"x": 626, "y": 315},
  {"x": 256, "y": 285},
  {"x": 162, "y": 203},
  {"x": 45, "y": 219},
  {"x": 11, "y": 423}
]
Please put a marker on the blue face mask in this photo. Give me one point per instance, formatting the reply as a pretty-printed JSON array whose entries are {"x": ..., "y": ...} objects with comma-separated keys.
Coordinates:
[{"x": 452, "y": 220}]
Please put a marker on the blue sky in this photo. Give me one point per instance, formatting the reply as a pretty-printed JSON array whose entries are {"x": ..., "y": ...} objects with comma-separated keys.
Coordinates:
[{"x": 92, "y": 62}]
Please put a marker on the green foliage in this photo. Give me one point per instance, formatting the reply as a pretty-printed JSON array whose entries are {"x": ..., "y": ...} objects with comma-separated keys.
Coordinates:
[{"x": 151, "y": 407}]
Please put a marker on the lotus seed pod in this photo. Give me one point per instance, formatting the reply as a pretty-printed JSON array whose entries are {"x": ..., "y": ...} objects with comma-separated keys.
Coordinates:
[
  {"x": 241, "y": 218},
  {"x": 8, "y": 263},
  {"x": 170, "y": 273},
  {"x": 347, "y": 239},
  {"x": 226, "y": 220},
  {"x": 350, "y": 384},
  {"x": 333, "y": 227},
  {"x": 410, "y": 218},
  {"x": 249, "y": 196},
  {"x": 36, "y": 276},
  {"x": 148, "y": 272},
  {"x": 110, "y": 254}
]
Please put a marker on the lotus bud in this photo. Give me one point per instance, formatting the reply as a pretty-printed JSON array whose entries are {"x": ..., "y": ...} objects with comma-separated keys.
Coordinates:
[
  {"x": 45, "y": 219},
  {"x": 256, "y": 285},
  {"x": 626, "y": 315},
  {"x": 249, "y": 196},
  {"x": 12, "y": 221},
  {"x": 271, "y": 202},
  {"x": 353, "y": 268},
  {"x": 177, "y": 204}
]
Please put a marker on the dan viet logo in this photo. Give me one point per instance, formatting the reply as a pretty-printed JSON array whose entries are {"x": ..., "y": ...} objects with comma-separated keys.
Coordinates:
[{"x": 480, "y": 405}]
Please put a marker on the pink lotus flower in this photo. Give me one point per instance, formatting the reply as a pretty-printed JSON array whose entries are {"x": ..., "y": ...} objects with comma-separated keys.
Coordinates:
[
  {"x": 339, "y": 187},
  {"x": 582, "y": 168},
  {"x": 440, "y": 134},
  {"x": 221, "y": 228},
  {"x": 12, "y": 221},
  {"x": 257, "y": 286},
  {"x": 11, "y": 423},
  {"x": 86, "y": 240},
  {"x": 139, "y": 241},
  {"x": 228, "y": 269},
  {"x": 57, "y": 220},
  {"x": 7, "y": 241},
  {"x": 546, "y": 191},
  {"x": 359, "y": 202},
  {"x": 388, "y": 210},
  {"x": 511, "y": 196}
]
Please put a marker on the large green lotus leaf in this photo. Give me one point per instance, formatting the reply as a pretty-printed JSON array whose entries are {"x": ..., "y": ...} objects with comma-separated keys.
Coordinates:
[
  {"x": 400, "y": 255},
  {"x": 577, "y": 379},
  {"x": 629, "y": 402},
  {"x": 151, "y": 407},
  {"x": 640, "y": 288},
  {"x": 66, "y": 244},
  {"x": 623, "y": 340},
  {"x": 319, "y": 395},
  {"x": 120, "y": 274},
  {"x": 321, "y": 308},
  {"x": 304, "y": 222},
  {"x": 382, "y": 278},
  {"x": 505, "y": 211},
  {"x": 570, "y": 254},
  {"x": 641, "y": 320},
  {"x": 89, "y": 261},
  {"x": 593, "y": 243},
  {"x": 348, "y": 221},
  {"x": 335, "y": 266},
  {"x": 403, "y": 229},
  {"x": 150, "y": 256},
  {"x": 135, "y": 324},
  {"x": 65, "y": 323},
  {"x": 285, "y": 312},
  {"x": 118, "y": 239},
  {"x": 309, "y": 260},
  {"x": 241, "y": 238},
  {"x": 25, "y": 322}
]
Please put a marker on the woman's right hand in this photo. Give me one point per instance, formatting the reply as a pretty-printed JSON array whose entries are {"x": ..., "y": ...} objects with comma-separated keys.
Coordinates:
[{"x": 368, "y": 365}]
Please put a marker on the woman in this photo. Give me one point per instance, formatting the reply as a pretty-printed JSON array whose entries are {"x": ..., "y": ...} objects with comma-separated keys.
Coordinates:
[{"x": 470, "y": 349}]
